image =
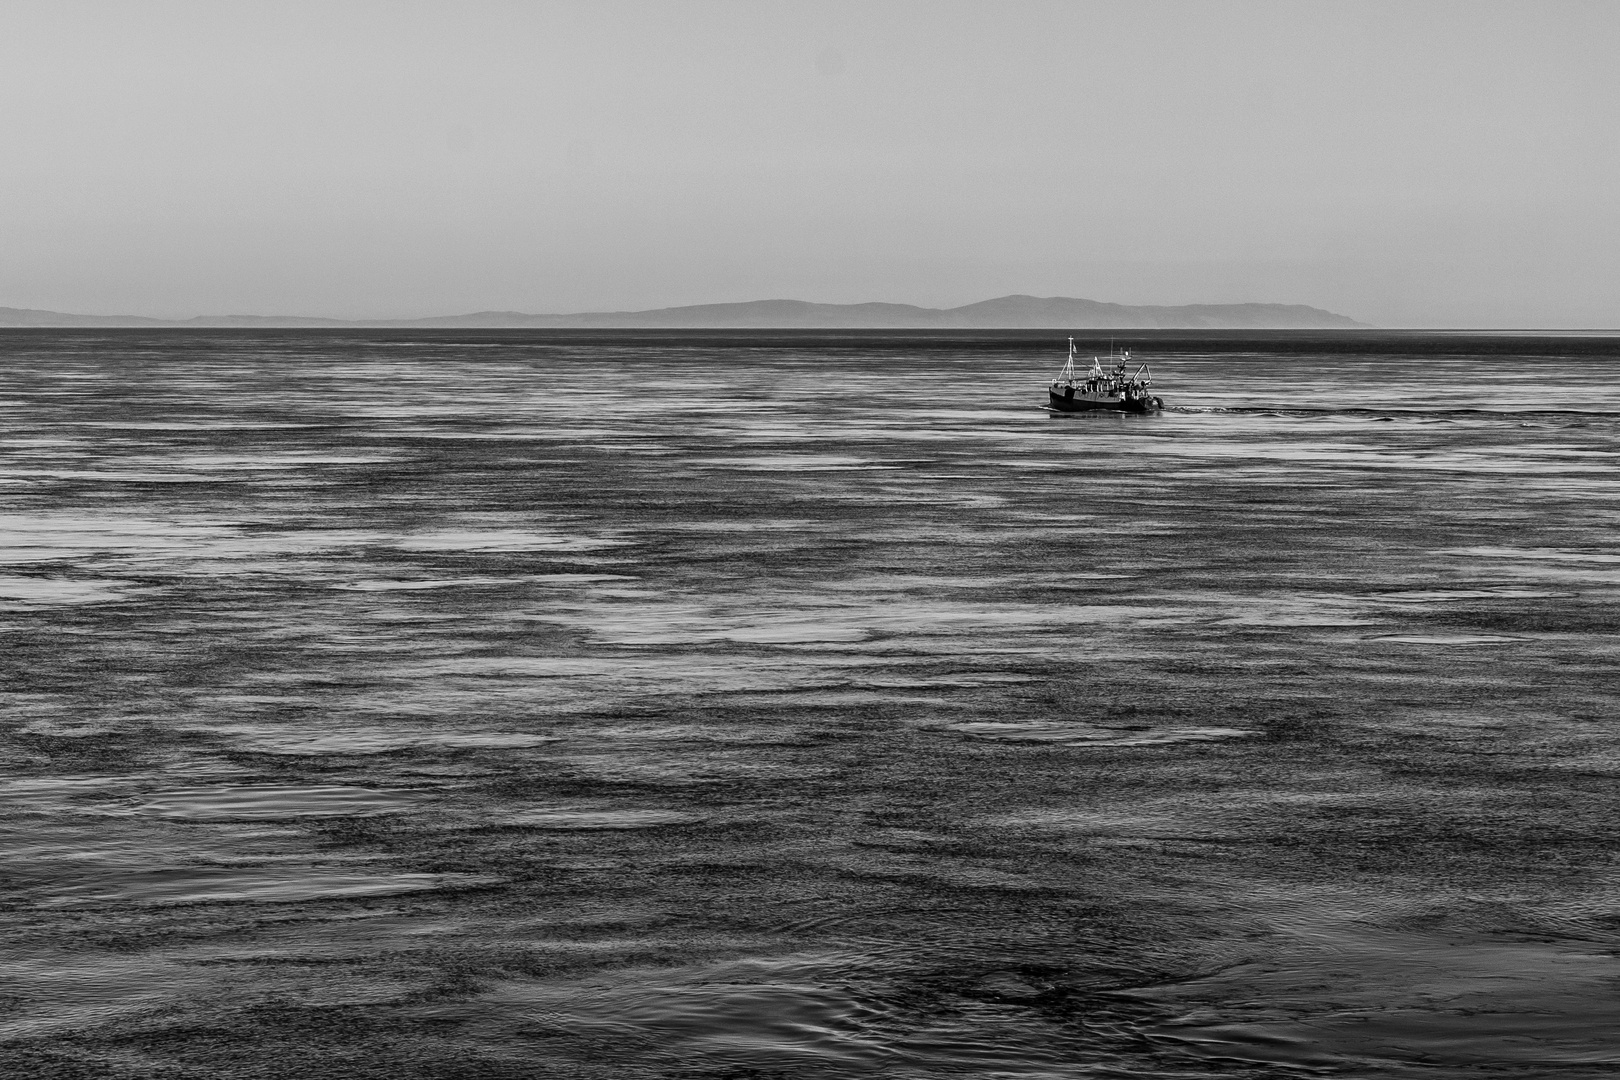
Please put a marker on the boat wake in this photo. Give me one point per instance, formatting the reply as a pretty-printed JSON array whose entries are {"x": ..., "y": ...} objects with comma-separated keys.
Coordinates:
[{"x": 1390, "y": 414}]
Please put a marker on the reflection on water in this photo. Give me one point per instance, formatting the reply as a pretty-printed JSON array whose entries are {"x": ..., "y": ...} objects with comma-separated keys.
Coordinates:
[{"x": 380, "y": 704}]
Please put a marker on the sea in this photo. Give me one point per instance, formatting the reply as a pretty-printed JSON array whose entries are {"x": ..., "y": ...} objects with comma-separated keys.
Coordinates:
[{"x": 762, "y": 705}]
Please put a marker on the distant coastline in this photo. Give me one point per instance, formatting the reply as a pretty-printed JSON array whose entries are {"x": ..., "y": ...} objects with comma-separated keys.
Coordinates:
[{"x": 1006, "y": 312}]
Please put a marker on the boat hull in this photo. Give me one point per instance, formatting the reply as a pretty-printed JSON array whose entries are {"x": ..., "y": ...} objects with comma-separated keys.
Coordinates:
[{"x": 1071, "y": 400}]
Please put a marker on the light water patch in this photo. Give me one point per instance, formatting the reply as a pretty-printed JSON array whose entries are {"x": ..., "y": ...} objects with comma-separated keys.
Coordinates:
[
  {"x": 54, "y": 537},
  {"x": 260, "y": 885},
  {"x": 1086, "y": 735},
  {"x": 1552, "y": 554},
  {"x": 1099, "y": 822},
  {"x": 1453, "y": 640},
  {"x": 797, "y": 463},
  {"x": 424, "y": 584},
  {"x": 1442, "y": 596},
  {"x": 70, "y": 991},
  {"x": 578, "y": 579},
  {"x": 273, "y": 802},
  {"x": 691, "y": 624},
  {"x": 282, "y": 460},
  {"x": 24, "y": 593},
  {"x": 500, "y": 540},
  {"x": 363, "y": 741},
  {"x": 58, "y": 794},
  {"x": 200, "y": 425}
]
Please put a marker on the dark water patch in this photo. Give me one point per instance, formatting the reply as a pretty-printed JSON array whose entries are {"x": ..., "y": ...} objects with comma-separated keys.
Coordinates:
[
  {"x": 1413, "y": 1005},
  {"x": 582, "y": 818},
  {"x": 793, "y": 1016}
]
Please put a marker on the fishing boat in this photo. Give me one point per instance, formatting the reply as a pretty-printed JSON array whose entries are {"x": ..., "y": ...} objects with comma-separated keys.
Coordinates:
[{"x": 1096, "y": 388}]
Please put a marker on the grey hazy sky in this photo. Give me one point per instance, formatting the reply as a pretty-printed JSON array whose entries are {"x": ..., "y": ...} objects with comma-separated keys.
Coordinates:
[{"x": 1405, "y": 163}]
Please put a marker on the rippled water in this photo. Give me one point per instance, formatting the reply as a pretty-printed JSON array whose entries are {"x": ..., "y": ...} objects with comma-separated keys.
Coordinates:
[{"x": 507, "y": 705}]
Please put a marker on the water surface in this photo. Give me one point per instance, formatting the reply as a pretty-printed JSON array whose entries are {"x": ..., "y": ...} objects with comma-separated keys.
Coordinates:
[{"x": 639, "y": 705}]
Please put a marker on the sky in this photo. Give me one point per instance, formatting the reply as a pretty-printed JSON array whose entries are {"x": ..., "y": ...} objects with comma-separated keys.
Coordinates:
[{"x": 1407, "y": 164}]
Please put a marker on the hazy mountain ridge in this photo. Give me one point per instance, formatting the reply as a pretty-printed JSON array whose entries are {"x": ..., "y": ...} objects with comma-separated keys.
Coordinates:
[{"x": 1005, "y": 312}]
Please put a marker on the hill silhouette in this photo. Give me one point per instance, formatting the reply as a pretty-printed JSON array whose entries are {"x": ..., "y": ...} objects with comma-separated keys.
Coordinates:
[{"x": 1005, "y": 312}]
